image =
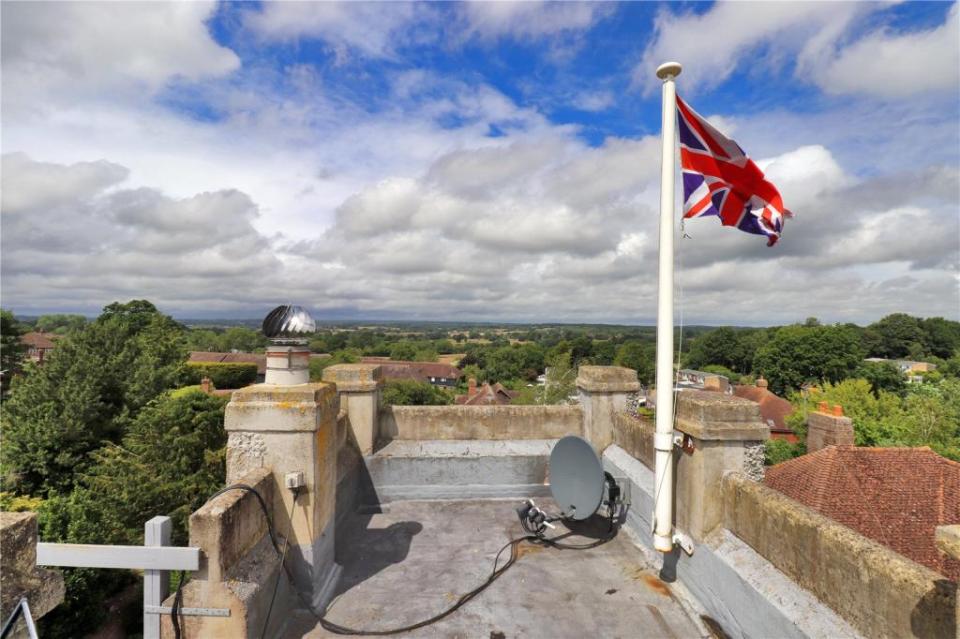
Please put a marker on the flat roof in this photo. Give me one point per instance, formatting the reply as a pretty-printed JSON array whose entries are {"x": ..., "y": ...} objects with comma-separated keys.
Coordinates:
[{"x": 417, "y": 558}]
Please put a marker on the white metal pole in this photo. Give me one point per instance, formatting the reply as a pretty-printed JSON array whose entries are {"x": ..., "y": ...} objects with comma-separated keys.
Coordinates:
[{"x": 663, "y": 438}]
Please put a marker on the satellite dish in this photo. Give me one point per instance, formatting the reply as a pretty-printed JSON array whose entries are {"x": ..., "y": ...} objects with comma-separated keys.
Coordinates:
[{"x": 576, "y": 477}]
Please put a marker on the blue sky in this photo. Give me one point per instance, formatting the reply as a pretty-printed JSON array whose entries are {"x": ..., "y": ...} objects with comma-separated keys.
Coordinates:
[{"x": 494, "y": 161}]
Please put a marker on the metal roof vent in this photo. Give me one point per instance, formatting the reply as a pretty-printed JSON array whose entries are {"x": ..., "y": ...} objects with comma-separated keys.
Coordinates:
[{"x": 288, "y": 324}]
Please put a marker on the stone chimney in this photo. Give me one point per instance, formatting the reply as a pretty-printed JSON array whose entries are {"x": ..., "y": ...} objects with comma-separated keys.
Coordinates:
[
  {"x": 828, "y": 427},
  {"x": 471, "y": 387},
  {"x": 716, "y": 383},
  {"x": 761, "y": 382},
  {"x": 206, "y": 385}
]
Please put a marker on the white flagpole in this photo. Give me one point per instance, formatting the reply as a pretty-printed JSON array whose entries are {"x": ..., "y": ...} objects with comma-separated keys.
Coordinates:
[{"x": 663, "y": 438}]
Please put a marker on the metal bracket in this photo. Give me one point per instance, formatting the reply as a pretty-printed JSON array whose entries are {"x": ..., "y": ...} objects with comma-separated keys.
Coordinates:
[{"x": 188, "y": 612}]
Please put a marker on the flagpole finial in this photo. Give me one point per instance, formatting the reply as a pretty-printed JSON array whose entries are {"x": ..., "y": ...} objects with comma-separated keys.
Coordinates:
[{"x": 669, "y": 70}]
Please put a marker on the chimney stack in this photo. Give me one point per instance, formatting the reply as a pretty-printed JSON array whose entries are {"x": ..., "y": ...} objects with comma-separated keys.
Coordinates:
[
  {"x": 206, "y": 385},
  {"x": 828, "y": 427},
  {"x": 761, "y": 382},
  {"x": 471, "y": 387}
]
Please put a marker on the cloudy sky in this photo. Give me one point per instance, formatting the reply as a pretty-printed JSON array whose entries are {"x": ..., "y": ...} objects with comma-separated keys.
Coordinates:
[{"x": 490, "y": 161}]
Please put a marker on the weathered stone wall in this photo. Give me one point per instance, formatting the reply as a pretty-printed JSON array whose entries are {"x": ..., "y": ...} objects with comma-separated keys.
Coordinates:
[
  {"x": 480, "y": 422},
  {"x": 238, "y": 564},
  {"x": 19, "y": 574},
  {"x": 880, "y": 592},
  {"x": 635, "y": 435}
]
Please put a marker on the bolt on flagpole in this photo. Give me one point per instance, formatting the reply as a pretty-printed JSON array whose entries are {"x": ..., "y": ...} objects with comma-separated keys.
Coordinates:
[{"x": 663, "y": 438}]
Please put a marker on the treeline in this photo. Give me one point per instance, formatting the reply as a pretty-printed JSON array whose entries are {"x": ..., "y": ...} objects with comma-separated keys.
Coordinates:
[{"x": 791, "y": 356}]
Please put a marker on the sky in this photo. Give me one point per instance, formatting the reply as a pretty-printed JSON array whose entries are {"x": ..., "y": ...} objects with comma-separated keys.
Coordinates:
[{"x": 472, "y": 161}]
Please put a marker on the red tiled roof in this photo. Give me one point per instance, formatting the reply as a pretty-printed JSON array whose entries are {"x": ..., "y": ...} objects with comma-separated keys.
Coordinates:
[
  {"x": 421, "y": 371},
  {"x": 895, "y": 496},
  {"x": 38, "y": 340},
  {"x": 487, "y": 395},
  {"x": 259, "y": 359},
  {"x": 772, "y": 407}
]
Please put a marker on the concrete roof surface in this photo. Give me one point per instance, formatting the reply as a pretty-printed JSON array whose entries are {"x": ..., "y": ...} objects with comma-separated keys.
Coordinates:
[{"x": 415, "y": 560}]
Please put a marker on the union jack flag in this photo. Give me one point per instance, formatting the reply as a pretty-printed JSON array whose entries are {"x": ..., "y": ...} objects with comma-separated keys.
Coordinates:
[{"x": 719, "y": 179}]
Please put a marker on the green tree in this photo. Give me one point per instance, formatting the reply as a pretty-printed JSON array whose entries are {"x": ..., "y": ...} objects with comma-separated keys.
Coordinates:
[
  {"x": 898, "y": 335},
  {"x": 11, "y": 348},
  {"x": 60, "y": 323},
  {"x": 726, "y": 347},
  {"x": 882, "y": 377},
  {"x": 941, "y": 337},
  {"x": 203, "y": 339},
  {"x": 798, "y": 354},
  {"x": 408, "y": 392},
  {"x": 245, "y": 340},
  {"x": 640, "y": 356},
  {"x": 168, "y": 463},
  {"x": 404, "y": 351},
  {"x": 561, "y": 379},
  {"x": 93, "y": 384}
]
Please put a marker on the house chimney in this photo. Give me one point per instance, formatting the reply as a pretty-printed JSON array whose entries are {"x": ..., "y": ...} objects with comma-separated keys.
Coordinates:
[
  {"x": 761, "y": 382},
  {"x": 206, "y": 385},
  {"x": 471, "y": 387},
  {"x": 828, "y": 427}
]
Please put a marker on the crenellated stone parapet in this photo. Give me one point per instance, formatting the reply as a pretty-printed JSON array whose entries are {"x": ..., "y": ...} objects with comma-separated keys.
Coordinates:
[{"x": 603, "y": 393}]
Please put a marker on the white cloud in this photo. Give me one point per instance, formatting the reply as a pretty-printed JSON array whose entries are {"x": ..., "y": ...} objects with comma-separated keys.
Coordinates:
[
  {"x": 368, "y": 28},
  {"x": 896, "y": 65},
  {"x": 90, "y": 47},
  {"x": 768, "y": 36},
  {"x": 593, "y": 100},
  {"x": 713, "y": 44},
  {"x": 531, "y": 19}
]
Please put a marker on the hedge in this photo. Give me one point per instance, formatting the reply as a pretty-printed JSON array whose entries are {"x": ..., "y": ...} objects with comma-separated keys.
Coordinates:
[{"x": 222, "y": 374}]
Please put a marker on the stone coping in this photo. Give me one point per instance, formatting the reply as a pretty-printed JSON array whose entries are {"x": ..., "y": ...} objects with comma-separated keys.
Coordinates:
[
  {"x": 353, "y": 378},
  {"x": 948, "y": 540},
  {"x": 716, "y": 416},
  {"x": 607, "y": 379}
]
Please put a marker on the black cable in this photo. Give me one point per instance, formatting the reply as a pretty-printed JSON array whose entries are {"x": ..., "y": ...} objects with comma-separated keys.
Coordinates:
[
  {"x": 536, "y": 538},
  {"x": 513, "y": 544},
  {"x": 283, "y": 556},
  {"x": 175, "y": 614}
]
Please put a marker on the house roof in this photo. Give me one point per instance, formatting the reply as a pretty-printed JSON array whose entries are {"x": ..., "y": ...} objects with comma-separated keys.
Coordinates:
[
  {"x": 773, "y": 408},
  {"x": 259, "y": 359},
  {"x": 423, "y": 371},
  {"x": 38, "y": 340},
  {"x": 894, "y": 496},
  {"x": 487, "y": 395}
]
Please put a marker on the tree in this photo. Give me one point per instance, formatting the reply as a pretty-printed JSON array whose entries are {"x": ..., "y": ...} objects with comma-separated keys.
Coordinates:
[
  {"x": 899, "y": 334},
  {"x": 882, "y": 377},
  {"x": 561, "y": 379},
  {"x": 640, "y": 356},
  {"x": 60, "y": 323},
  {"x": 169, "y": 462},
  {"x": 11, "y": 348},
  {"x": 408, "y": 392},
  {"x": 725, "y": 347},
  {"x": 798, "y": 354},
  {"x": 93, "y": 384},
  {"x": 404, "y": 351},
  {"x": 941, "y": 337}
]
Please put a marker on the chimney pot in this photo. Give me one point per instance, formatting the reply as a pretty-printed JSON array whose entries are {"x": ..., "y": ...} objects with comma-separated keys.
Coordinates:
[
  {"x": 838, "y": 410},
  {"x": 206, "y": 384},
  {"x": 471, "y": 387},
  {"x": 761, "y": 382},
  {"x": 822, "y": 407}
]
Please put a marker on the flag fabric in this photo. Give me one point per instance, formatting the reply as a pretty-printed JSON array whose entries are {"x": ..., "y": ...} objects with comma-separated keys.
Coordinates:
[{"x": 719, "y": 179}]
